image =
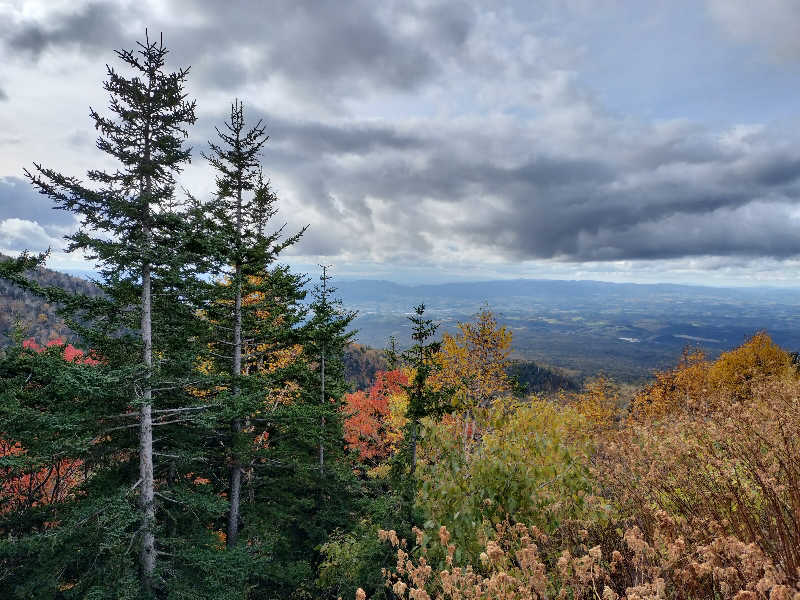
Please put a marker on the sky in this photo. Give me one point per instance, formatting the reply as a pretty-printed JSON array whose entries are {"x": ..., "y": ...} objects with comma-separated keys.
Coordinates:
[{"x": 456, "y": 140}]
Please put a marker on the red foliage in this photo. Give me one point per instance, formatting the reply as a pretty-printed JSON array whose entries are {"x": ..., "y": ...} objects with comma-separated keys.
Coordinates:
[
  {"x": 70, "y": 352},
  {"x": 367, "y": 414},
  {"x": 45, "y": 486},
  {"x": 54, "y": 482}
]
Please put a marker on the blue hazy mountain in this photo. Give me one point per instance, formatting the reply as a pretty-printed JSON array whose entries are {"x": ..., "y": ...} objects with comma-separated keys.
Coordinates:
[{"x": 625, "y": 330}]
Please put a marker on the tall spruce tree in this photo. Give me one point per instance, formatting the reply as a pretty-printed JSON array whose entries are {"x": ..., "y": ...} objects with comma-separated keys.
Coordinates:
[
  {"x": 255, "y": 307},
  {"x": 329, "y": 334},
  {"x": 423, "y": 399},
  {"x": 133, "y": 229},
  {"x": 296, "y": 502}
]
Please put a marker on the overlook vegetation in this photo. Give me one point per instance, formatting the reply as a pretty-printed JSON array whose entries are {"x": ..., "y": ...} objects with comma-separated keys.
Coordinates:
[{"x": 196, "y": 436}]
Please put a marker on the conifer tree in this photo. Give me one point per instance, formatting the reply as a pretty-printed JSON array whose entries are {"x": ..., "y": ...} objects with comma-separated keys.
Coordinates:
[
  {"x": 131, "y": 226},
  {"x": 295, "y": 501},
  {"x": 254, "y": 311},
  {"x": 329, "y": 336},
  {"x": 423, "y": 399}
]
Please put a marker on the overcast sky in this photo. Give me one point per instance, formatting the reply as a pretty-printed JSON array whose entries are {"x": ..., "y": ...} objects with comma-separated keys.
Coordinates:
[{"x": 425, "y": 141}]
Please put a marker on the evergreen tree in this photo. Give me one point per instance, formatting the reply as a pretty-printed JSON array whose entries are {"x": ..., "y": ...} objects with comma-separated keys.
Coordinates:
[
  {"x": 243, "y": 253},
  {"x": 66, "y": 516},
  {"x": 134, "y": 230},
  {"x": 298, "y": 502},
  {"x": 423, "y": 399},
  {"x": 329, "y": 335}
]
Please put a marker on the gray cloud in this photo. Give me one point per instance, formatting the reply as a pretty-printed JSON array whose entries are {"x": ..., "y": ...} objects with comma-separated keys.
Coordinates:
[
  {"x": 308, "y": 137},
  {"x": 3, "y": 95},
  {"x": 545, "y": 172},
  {"x": 771, "y": 24},
  {"x": 92, "y": 26},
  {"x": 651, "y": 200},
  {"x": 18, "y": 199},
  {"x": 326, "y": 50}
]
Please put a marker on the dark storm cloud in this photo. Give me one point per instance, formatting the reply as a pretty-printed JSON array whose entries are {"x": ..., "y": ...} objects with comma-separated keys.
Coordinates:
[
  {"x": 96, "y": 25},
  {"x": 778, "y": 171},
  {"x": 720, "y": 214},
  {"x": 323, "y": 48},
  {"x": 565, "y": 180},
  {"x": 19, "y": 200},
  {"x": 308, "y": 137}
]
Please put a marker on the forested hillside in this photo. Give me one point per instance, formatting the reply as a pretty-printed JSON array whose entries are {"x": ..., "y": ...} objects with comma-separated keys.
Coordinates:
[
  {"x": 32, "y": 315},
  {"x": 36, "y": 319},
  {"x": 197, "y": 437}
]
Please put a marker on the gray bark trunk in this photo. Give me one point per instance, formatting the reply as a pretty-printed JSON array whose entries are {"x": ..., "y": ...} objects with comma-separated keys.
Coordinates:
[
  {"x": 147, "y": 557},
  {"x": 236, "y": 426},
  {"x": 466, "y": 431},
  {"x": 236, "y": 490},
  {"x": 322, "y": 430},
  {"x": 414, "y": 448}
]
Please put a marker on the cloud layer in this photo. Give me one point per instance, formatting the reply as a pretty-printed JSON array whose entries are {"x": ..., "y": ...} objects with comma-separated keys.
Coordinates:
[{"x": 459, "y": 132}]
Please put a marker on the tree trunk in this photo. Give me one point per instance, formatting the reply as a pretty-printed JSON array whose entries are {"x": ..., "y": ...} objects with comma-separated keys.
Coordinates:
[
  {"x": 466, "y": 431},
  {"x": 147, "y": 557},
  {"x": 414, "y": 432},
  {"x": 322, "y": 429},
  {"x": 236, "y": 426},
  {"x": 236, "y": 487}
]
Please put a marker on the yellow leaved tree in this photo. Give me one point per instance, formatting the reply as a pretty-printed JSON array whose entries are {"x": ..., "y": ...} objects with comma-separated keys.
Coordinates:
[
  {"x": 738, "y": 371},
  {"x": 474, "y": 365},
  {"x": 696, "y": 382}
]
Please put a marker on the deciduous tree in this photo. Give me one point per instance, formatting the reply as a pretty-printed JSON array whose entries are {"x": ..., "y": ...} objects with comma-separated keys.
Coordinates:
[{"x": 474, "y": 366}]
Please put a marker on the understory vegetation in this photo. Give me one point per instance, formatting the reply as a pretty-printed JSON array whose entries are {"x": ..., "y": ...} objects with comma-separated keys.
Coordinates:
[
  {"x": 197, "y": 437},
  {"x": 690, "y": 490}
]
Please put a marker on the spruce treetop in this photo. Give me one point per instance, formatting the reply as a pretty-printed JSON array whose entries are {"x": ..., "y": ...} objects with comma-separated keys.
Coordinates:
[
  {"x": 127, "y": 211},
  {"x": 244, "y": 202}
]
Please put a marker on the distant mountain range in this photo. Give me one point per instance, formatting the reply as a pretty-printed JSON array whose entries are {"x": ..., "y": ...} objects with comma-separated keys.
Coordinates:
[
  {"x": 585, "y": 327},
  {"x": 581, "y": 328},
  {"x": 371, "y": 290}
]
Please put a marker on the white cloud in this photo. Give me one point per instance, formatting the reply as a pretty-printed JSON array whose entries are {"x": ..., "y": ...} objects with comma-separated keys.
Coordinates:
[{"x": 21, "y": 234}]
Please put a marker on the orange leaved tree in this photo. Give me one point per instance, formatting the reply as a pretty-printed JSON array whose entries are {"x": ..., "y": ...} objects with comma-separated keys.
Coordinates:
[
  {"x": 52, "y": 482},
  {"x": 373, "y": 418}
]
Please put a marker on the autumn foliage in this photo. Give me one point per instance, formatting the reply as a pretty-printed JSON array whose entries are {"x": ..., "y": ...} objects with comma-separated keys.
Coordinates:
[
  {"x": 374, "y": 418},
  {"x": 475, "y": 361},
  {"x": 45, "y": 486},
  {"x": 695, "y": 487},
  {"x": 471, "y": 368},
  {"x": 53, "y": 482},
  {"x": 716, "y": 448},
  {"x": 69, "y": 352},
  {"x": 519, "y": 562}
]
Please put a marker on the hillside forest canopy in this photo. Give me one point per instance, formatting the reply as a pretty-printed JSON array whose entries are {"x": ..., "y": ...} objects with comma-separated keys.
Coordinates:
[{"x": 197, "y": 435}]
